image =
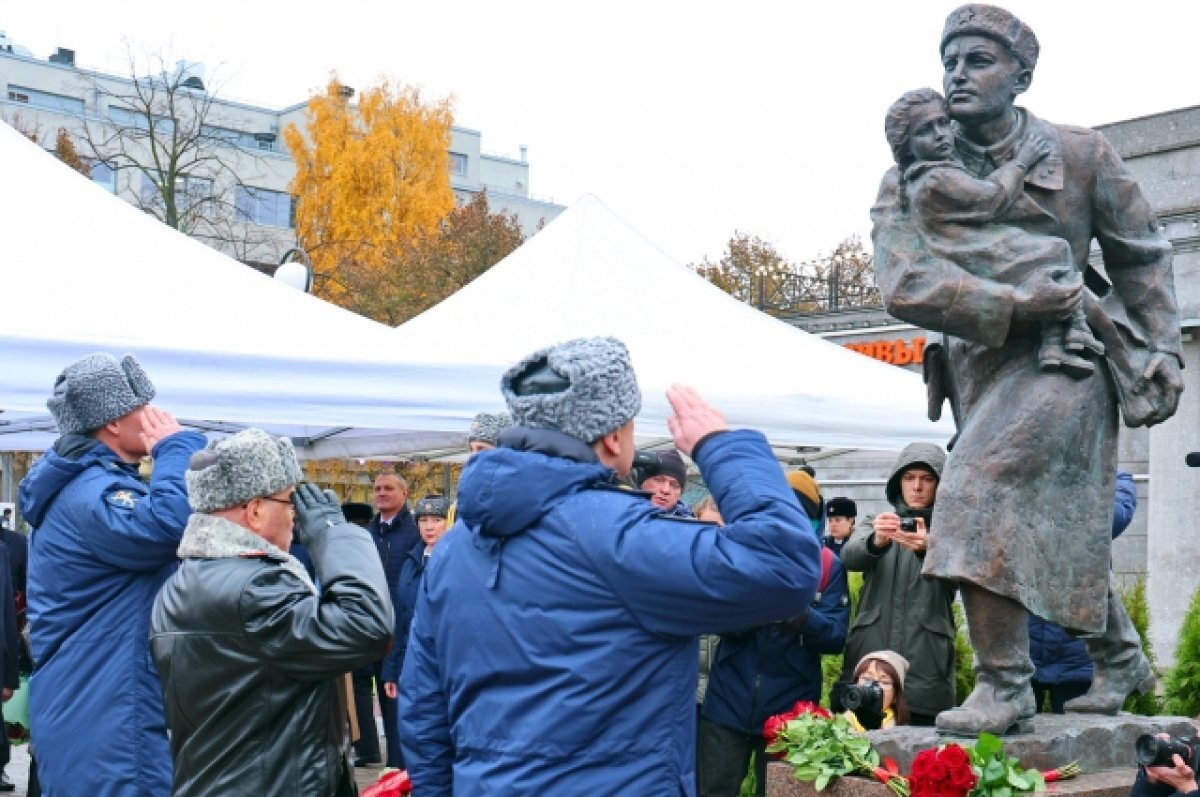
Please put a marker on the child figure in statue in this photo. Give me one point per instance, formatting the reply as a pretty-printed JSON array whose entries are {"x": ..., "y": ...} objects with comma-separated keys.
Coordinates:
[{"x": 963, "y": 218}]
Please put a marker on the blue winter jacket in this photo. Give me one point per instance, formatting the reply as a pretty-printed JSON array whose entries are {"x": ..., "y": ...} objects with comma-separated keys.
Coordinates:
[
  {"x": 763, "y": 671},
  {"x": 554, "y": 650},
  {"x": 1059, "y": 657},
  {"x": 103, "y": 544},
  {"x": 404, "y": 599}
]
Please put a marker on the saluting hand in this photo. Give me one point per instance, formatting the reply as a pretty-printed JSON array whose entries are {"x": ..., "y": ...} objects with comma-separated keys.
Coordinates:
[
  {"x": 693, "y": 418},
  {"x": 157, "y": 425}
]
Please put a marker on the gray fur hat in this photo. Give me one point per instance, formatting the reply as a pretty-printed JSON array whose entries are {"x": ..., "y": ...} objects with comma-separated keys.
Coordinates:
[
  {"x": 97, "y": 389},
  {"x": 432, "y": 506},
  {"x": 249, "y": 464},
  {"x": 584, "y": 387},
  {"x": 487, "y": 426}
]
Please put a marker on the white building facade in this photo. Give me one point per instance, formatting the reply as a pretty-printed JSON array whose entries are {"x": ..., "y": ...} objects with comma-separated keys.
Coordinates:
[{"x": 241, "y": 171}]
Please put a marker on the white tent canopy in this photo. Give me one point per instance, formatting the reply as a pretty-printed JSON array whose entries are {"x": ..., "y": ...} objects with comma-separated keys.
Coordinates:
[
  {"x": 82, "y": 271},
  {"x": 588, "y": 273}
]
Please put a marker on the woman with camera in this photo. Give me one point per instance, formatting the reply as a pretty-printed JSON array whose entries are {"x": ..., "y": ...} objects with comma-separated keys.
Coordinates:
[
  {"x": 875, "y": 700},
  {"x": 898, "y": 610}
]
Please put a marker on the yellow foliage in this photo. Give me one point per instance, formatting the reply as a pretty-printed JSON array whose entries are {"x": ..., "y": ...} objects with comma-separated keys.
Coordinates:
[{"x": 369, "y": 181}]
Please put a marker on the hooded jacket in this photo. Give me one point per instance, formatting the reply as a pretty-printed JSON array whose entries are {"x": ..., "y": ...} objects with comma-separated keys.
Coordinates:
[
  {"x": 554, "y": 650},
  {"x": 103, "y": 544},
  {"x": 897, "y": 608}
]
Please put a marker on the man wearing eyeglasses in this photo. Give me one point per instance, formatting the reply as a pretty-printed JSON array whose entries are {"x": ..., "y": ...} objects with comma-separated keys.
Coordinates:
[{"x": 249, "y": 653}]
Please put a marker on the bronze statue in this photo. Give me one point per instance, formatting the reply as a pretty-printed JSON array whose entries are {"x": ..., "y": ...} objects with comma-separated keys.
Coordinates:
[{"x": 1024, "y": 507}]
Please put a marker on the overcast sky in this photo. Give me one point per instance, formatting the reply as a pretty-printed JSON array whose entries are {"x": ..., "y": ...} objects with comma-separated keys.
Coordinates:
[{"x": 689, "y": 118}]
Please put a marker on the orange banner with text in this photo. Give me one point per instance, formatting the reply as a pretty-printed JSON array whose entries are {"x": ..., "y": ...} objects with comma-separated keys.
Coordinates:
[{"x": 896, "y": 352}]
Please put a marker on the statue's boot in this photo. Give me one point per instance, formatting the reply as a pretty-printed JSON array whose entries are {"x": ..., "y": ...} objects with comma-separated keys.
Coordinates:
[
  {"x": 1121, "y": 669},
  {"x": 1079, "y": 338},
  {"x": 1054, "y": 354},
  {"x": 1002, "y": 702}
]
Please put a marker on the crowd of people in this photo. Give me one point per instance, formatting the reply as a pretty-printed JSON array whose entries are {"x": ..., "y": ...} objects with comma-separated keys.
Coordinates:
[{"x": 221, "y": 626}]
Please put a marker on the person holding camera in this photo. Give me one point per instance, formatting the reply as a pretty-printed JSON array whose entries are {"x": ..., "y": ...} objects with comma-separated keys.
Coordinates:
[
  {"x": 899, "y": 610},
  {"x": 875, "y": 699},
  {"x": 1168, "y": 767}
]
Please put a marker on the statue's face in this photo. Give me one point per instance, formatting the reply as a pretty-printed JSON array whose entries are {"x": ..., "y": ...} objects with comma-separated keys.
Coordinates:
[
  {"x": 980, "y": 78},
  {"x": 929, "y": 135}
]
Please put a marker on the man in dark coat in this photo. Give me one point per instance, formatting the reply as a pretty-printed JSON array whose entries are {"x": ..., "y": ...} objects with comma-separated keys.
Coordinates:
[
  {"x": 395, "y": 533},
  {"x": 250, "y": 654},
  {"x": 103, "y": 544},
  {"x": 1025, "y": 503},
  {"x": 553, "y": 649}
]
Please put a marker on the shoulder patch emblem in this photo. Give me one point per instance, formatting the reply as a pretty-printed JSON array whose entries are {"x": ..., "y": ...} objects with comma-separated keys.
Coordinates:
[{"x": 123, "y": 499}]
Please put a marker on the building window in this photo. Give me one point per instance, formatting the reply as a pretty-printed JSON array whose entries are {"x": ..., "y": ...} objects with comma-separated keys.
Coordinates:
[
  {"x": 240, "y": 138},
  {"x": 189, "y": 192},
  {"x": 124, "y": 117},
  {"x": 44, "y": 99},
  {"x": 104, "y": 175},
  {"x": 263, "y": 206},
  {"x": 458, "y": 164}
]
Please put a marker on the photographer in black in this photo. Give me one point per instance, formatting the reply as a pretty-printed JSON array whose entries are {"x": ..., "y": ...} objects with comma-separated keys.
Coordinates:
[
  {"x": 1168, "y": 767},
  {"x": 875, "y": 698}
]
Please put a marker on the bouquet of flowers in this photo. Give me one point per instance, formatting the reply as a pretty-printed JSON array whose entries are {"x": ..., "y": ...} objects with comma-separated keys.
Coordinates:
[
  {"x": 979, "y": 771},
  {"x": 822, "y": 747}
]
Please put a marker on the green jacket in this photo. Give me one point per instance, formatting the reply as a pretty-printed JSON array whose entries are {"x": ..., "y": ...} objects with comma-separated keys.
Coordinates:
[{"x": 897, "y": 608}]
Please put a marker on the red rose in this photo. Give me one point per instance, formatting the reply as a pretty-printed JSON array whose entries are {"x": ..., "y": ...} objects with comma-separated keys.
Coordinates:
[
  {"x": 773, "y": 726},
  {"x": 942, "y": 773},
  {"x": 809, "y": 707}
]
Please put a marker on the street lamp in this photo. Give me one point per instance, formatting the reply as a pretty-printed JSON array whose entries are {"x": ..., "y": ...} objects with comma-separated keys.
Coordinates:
[{"x": 297, "y": 272}]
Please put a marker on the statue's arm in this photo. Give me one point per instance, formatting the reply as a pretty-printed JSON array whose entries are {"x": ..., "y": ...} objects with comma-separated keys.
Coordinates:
[
  {"x": 927, "y": 290},
  {"x": 1137, "y": 257},
  {"x": 951, "y": 194}
]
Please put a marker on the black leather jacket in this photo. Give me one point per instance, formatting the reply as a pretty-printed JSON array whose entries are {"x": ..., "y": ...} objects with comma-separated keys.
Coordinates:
[{"x": 250, "y": 660}]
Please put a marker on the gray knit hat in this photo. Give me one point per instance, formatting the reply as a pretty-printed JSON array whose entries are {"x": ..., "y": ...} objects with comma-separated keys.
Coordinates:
[
  {"x": 97, "y": 389},
  {"x": 432, "y": 506},
  {"x": 487, "y": 426},
  {"x": 584, "y": 387},
  {"x": 250, "y": 464}
]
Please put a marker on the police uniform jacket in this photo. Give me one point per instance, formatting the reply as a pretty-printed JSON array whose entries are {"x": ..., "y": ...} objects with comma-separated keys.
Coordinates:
[{"x": 103, "y": 544}]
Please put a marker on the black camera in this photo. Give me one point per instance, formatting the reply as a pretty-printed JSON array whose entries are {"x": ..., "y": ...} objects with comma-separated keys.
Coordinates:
[
  {"x": 908, "y": 524},
  {"x": 1152, "y": 751},
  {"x": 865, "y": 700}
]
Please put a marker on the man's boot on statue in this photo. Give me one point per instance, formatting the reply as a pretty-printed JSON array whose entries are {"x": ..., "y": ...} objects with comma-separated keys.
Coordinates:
[
  {"x": 1002, "y": 701},
  {"x": 1121, "y": 669}
]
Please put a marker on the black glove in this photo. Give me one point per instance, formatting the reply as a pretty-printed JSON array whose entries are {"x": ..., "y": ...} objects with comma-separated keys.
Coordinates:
[{"x": 317, "y": 511}]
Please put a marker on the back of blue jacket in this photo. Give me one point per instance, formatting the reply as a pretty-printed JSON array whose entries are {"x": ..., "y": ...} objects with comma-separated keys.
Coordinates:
[{"x": 553, "y": 649}]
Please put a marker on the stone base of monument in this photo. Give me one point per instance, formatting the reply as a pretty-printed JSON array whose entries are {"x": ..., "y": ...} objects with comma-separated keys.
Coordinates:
[{"x": 1103, "y": 746}]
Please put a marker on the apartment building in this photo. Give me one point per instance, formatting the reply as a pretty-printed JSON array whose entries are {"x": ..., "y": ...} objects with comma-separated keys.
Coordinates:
[{"x": 235, "y": 196}]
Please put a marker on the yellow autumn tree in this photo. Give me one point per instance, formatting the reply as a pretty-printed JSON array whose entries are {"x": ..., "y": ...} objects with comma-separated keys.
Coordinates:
[{"x": 370, "y": 180}]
